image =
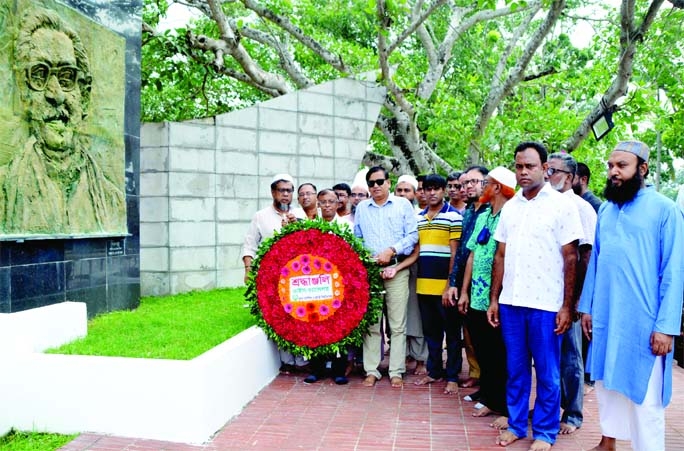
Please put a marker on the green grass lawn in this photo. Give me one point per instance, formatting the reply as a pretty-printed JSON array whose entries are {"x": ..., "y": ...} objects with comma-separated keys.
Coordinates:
[
  {"x": 178, "y": 327},
  {"x": 33, "y": 441}
]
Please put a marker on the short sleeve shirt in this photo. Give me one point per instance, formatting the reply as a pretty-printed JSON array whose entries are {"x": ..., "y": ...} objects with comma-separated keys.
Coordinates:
[
  {"x": 534, "y": 231},
  {"x": 483, "y": 259},
  {"x": 434, "y": 237}
]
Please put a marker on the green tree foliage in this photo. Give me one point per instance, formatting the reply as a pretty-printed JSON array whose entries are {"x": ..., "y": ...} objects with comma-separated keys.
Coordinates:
[{"x": 449, "y": 66}]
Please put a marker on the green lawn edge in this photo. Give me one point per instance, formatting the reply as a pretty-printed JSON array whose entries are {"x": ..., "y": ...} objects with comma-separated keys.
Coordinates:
[
  {"x": 33, "y": 441},
  {"x": 176, "y": 327}
]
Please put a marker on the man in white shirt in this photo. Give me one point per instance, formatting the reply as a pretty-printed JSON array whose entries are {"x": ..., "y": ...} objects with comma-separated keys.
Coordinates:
[
  {"x": 264, "y": 224},
  {"x": 306, "y": 197},
  {"x": 532, "y": 294},
  {"x": 561, "y": 172}
]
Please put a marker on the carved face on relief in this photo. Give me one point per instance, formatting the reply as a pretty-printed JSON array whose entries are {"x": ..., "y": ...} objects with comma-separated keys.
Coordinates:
[
  {"x": 54, "y": 97},
  {"x": 53, "y": 78}
]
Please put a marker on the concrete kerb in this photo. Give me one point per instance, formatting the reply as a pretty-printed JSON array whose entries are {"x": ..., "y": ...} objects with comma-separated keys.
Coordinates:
[{"x": 170, "y": 400}]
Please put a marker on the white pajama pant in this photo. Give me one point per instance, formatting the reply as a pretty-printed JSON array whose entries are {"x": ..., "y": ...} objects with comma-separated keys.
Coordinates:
[{"x": 643, "y": 424}]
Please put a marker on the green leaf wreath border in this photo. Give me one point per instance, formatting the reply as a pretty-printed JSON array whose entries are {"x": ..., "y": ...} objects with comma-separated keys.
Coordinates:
[{"x": 375, "y": 294}]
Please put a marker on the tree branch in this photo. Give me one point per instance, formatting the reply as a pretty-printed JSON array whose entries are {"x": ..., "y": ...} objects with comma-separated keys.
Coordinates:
[
  {"x": 285, "y": 23},
  {"x": 417, "y": 21},
  {"x": 383, "y": 57},
  {"x": 544, "y": 73},
  {"x": 457, "y": 26},
  {"x": 618, "y": 87},
  {"x": 500, "y": 90},
  {"x": 287, "y": 60},
  {"x": 230, "y": 44}
]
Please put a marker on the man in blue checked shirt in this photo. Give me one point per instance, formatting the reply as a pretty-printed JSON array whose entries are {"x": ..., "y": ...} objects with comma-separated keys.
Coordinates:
[{"x": 387, "y": 226}]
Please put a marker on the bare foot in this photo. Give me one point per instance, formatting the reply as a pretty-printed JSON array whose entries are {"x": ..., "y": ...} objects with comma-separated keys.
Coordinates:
[
  {"x": 370, "y": 381},
  {"x": 470, "y": 382},
  {"x": 567, "y": 429},
  {"x": 606, "y": 444},
  {"x": 420, "y": 368},
  {"x": 500, "y": 423},
  {"x": 483, "y": 412},
  {"x": 349, "y": 368},
  {"x": 396, "y": 382},
  {"x": 540, "y": 445},
  {"x": 506, "y": 438},
  {"x": 451, "y": 388},
  {"x": 426, "y": 380}
]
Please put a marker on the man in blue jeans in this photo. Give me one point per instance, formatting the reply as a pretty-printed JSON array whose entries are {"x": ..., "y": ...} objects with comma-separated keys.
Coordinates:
[{"x": 533, "y": 293}]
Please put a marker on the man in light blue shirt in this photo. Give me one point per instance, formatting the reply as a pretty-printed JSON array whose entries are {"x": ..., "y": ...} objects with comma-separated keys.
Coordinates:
[{"x": 387, "y": 226}]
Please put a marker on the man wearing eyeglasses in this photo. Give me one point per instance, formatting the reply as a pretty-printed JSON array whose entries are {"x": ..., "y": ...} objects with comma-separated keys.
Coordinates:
[
  {"x": 306, "y": 197},
  {"x": 269, "y": 220},
  {"x": 387, "y": 226},
  {"x": 265, "y": 223},
  {"x": 474, "y": 299},
  {"x": 532, "y": 294},
  {"x": 561, "y": 172},
  {"x": 55, "y": 185},
  {"x": 358, "y": 194},
  {"x": 472, "y": 182}
]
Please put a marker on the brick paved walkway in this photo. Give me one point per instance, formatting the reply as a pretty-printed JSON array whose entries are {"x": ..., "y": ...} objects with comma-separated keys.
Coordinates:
[{"x": 290, "y": 415}]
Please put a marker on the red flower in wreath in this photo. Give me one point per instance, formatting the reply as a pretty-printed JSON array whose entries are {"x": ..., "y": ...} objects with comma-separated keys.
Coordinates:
[{"x": 313, "y": 287}]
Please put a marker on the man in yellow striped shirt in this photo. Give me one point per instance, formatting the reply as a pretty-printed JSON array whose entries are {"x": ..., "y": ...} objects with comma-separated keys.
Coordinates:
[{"x": 439, "y": 231}]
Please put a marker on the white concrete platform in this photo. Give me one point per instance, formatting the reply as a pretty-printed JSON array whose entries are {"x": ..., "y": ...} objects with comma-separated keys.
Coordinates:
[{"x": 171, "y": 400}]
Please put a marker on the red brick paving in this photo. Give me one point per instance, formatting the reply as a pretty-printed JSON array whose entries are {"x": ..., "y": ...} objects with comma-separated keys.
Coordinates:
[{"x": 290, "y": 415}]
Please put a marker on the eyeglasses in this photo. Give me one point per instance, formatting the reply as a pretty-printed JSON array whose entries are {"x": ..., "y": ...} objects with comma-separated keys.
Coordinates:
[
  {"x": 306, "y": 194},
  {"x": 359, "y": 195},
  {"x": 473, "y": 182},
  {"x": 38, "y": 75},
  {"x": 327, "y": 202},
  {"x": 372, "y": 183},
  {"x": 285, "y": 190},
  {"x": 404, "y": 190},
  {"x": 551, "y": 171},
  {"x": 453, "y": 186}
]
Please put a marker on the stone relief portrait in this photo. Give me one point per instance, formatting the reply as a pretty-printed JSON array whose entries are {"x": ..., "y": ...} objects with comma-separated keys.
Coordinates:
[{"x": 62, "y": 152}]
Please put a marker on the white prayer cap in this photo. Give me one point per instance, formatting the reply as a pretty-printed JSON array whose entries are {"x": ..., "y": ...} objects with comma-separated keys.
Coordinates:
[
  {"x": 411, "y": 180},
  {"x": 282, "y": 178},
  {"x": 360, "y": 179},
  {"x": 504, "y": 176},
  {"x": 636, "y": 147}
]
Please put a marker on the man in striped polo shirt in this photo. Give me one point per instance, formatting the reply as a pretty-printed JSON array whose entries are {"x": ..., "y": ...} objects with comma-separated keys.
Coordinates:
[{"x": 439, "y": 230}]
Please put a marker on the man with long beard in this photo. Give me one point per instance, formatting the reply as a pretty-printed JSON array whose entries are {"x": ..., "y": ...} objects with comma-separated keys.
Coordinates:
[{"x": 632, "y": 303}]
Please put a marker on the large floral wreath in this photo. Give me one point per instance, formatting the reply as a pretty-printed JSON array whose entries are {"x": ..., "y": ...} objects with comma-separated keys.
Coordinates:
[{"x": 314, "y": 288}]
